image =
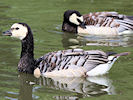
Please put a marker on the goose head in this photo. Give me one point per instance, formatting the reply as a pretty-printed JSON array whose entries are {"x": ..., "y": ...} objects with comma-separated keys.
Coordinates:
[
  {"x": 18, "y": 30},
  {"x": 74, "y": 17},
  {"x": 23, "y": 32}
]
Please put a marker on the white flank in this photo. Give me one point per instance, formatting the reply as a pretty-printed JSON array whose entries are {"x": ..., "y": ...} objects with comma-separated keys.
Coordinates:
[
  {"x": 102, "y": 68},
  {"x": 98, "y": 30}
]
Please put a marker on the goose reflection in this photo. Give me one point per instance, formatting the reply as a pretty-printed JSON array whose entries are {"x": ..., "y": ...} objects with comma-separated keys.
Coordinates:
[
  {"x": 81, "y": 87},
  {"x": 25, "y": 91},
  {"x": 75, "y": 41}
]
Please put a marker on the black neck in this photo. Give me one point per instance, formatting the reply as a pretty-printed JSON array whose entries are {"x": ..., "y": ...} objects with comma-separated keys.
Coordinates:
[
  {"x": 28, "y": 46},
  {"x": 27, "y": 62},
  {"x": 69, "y": 27}
]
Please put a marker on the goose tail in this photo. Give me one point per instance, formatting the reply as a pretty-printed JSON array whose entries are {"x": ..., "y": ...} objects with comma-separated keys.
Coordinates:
[
  {"x": 122, "y": 54},
  {"x": 113, "y": 58},
  {"x": 104, "y": 68},
  {"x": 130, "y": 17}
]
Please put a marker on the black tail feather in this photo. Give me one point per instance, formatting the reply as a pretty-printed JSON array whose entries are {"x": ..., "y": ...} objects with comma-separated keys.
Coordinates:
[
  {"x": 122, "y": 54},
  {"x": 111, "y": 53},
  {"x": 119, "y": 54},
  {"x": 130, "y": 17}
]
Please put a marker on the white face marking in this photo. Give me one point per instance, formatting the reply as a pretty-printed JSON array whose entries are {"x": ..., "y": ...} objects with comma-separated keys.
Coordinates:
[
  {"x": 73, "y": 18},
  {"x": 19, "y": 31}
]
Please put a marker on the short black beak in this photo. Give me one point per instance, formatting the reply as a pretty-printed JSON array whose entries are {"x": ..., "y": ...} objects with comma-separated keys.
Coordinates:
[
  {"x": 82, "y": 25},
  {"x": 7, "y": 33}
]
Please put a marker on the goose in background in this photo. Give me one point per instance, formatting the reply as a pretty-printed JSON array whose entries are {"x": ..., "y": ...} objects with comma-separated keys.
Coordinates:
[
  {"x": 97, "y": 23},
  {"x": 63, "y": 63}
]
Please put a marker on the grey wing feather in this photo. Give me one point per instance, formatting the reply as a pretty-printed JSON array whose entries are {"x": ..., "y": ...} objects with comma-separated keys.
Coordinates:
[
  {"x": 109, "y": 19},
  {"x": 72, "y": 59}
]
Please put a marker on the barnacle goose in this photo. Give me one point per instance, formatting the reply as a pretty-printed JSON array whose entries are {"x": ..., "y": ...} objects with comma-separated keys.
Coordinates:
[
  {"x": 63, "y": 63},
  {"x": 97, "y": 23}
]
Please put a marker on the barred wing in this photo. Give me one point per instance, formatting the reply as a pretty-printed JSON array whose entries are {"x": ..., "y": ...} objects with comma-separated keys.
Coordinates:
[
  {"x": 72, "y": 59},
  {"x": 109, "y": 19}
]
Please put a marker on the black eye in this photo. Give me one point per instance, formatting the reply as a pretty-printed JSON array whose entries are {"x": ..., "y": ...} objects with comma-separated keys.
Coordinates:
[{"x": 17, "y": 28}]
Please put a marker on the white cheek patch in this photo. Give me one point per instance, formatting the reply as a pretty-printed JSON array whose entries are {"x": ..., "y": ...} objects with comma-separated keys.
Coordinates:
[
  {"x": 20, "y": 33},
  {"x": 73, "y": 18},
  {"x": 81, "y": 18}
]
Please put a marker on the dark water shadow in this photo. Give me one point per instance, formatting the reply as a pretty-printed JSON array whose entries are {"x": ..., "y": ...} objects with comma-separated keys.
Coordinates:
[
  {"x": 25, "y": 88},
  {"x": 81, "y": 87}
]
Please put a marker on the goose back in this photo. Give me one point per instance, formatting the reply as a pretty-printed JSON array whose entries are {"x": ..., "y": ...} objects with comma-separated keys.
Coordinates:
[
  {"x": 111, "y": 20},
  {"x": 99, "y": 23},
  {"x": 73, "y": 59}
]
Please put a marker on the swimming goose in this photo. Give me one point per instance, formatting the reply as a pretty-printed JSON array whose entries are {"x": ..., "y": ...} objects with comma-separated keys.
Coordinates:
[
  {"x": 98, "y": 23},
  {"x": 63, "y": 63}
]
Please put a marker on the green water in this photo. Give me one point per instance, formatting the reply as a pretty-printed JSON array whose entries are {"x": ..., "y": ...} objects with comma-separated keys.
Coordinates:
[{"x": 45, "y": 19}]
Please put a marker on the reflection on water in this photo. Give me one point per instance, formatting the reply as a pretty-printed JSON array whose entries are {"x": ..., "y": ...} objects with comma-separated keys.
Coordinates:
[
  {"x": 25, "y": 92},
  {"x": 81, "y": 87},
  {"x": 75, "y": 41}
]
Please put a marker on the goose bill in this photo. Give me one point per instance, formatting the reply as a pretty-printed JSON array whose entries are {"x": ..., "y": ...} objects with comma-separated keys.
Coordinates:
[
  {"x": 7, "y": 33},
  {"x": 82, "y": 25}
]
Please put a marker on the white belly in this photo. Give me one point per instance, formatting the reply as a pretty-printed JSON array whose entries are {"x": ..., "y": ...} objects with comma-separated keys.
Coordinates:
[
  {"x": 102, "y": 68},
  {"x": 99, "y": 70},
  {"x": 78, "y": 72},
  {"x": 98, "y": 30}
]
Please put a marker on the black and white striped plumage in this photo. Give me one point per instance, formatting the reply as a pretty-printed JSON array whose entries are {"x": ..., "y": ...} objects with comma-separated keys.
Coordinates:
[
  {"x": 76, "y": 63},
  {"x": 65, "y": 63},
  {"x": 98, "y": 23}
]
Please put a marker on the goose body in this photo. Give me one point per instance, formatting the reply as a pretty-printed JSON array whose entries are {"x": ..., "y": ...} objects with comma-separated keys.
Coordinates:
[
  {"x": 63, "y": 63},
  {"x": 76, "y": 63},
  {"x": 98, "y": 23}
]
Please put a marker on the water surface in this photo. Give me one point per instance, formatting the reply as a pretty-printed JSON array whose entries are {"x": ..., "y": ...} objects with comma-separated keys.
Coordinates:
[{"x": 45, "y": 19}]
